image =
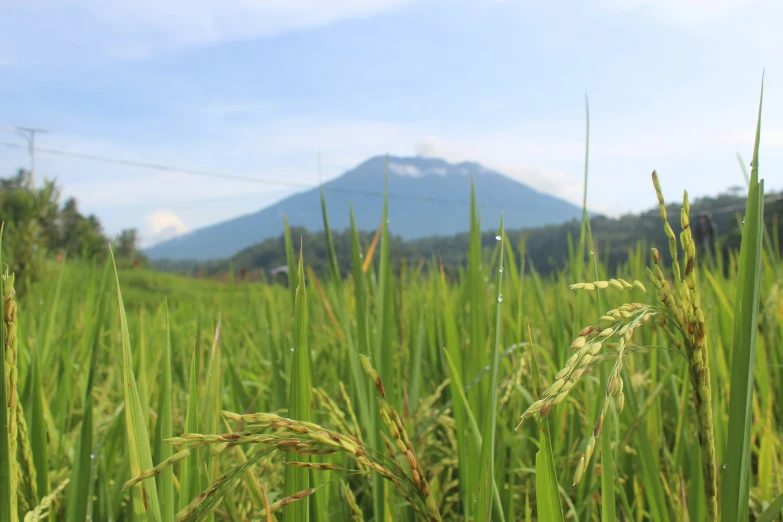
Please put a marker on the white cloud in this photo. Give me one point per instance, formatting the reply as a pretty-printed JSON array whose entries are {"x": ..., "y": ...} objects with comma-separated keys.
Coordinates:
[
  {"x": 133, "y": 29},
  {"x": 413, "y": 171},
  {"x": 162, "y": 225},
  {"x": 400, "y": 169}
]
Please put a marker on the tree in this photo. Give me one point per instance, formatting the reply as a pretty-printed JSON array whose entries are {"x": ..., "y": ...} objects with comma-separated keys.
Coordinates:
[
  {"x": 35, "y": 225},
  {"x": 29, "y": 219},
  {"x": 127, "y": 245}
]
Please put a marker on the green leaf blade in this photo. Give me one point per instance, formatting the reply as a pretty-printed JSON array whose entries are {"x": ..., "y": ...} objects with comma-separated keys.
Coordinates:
[
  {"x": 145, "y": 494},
  {"x": 299, "y": 403},
  {"x": 736, "y": 474}
]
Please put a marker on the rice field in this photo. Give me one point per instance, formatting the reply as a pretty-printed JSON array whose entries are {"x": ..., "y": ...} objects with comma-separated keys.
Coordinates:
[{"x": 654, "y": 393}]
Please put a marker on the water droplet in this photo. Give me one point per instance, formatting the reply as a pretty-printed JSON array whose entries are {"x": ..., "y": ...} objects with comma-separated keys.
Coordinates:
[
  {"x": 292, "y": 348},
  {"x": 500, "y": 298},
  {"x": 500, "y": 269},
  {"x": 592, "y": 253},
  {"x": 486, "y": 367},
  {"x": 387, "y": 221},
  {"x": 497, "y": 238}
]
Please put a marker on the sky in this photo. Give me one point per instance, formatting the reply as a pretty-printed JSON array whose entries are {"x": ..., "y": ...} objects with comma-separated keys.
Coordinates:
[{"x": 261, "y": 88}]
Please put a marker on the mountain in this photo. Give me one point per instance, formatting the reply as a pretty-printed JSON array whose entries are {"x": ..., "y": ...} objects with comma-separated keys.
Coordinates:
[{"x": 427, "y": 197}]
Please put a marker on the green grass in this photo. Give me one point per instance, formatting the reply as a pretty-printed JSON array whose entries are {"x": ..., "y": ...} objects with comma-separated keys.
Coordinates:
[{"x": 254, "y": 401}]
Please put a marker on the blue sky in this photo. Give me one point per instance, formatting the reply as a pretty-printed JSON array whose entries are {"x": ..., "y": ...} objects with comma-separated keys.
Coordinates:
[{"x": 259, "y": 88}]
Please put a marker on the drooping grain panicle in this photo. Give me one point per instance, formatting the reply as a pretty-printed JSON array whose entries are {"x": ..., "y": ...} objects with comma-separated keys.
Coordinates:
[
  {"x": 610, "y": 337},
  {"x": 302, "y": 438},
  {"x": 684, "y": 308},
  {"x": 27, "y": 485},
  {"x": 208, "y": 499},
  {"x": 678, "y": 303},
  {"x": 41, "y": 511},
  {"x": 353, "y": 508},
  {"x": 402, "y": 442}
]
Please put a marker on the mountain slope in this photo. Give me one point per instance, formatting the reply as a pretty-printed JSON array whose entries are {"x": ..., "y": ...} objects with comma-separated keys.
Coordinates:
[{"x": 427, "y": 197}]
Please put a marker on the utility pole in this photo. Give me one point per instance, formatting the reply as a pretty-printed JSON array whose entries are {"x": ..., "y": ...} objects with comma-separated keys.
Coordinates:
[{"x": 28, "y": 133}]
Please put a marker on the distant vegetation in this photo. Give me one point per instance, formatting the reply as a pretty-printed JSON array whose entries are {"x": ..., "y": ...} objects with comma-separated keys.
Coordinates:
[
  {"x": 546, "y": 248},
  {"x": 38, "y": 226}
]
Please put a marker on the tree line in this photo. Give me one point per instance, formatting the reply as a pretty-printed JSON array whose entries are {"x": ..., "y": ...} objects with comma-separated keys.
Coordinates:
[
  {"x": 715, "y": 225},
  {"x": 37, "y": 227}
]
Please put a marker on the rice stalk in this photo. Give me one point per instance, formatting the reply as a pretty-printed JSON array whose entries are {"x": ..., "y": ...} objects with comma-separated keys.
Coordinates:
[{"x": 9, "y": 398}]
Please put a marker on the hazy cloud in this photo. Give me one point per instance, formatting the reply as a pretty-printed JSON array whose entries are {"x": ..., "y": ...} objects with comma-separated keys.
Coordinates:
[{"x": 162, "y": 225}]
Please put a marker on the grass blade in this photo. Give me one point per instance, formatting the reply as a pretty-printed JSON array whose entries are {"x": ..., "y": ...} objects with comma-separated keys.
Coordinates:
[
  {"x": 334, "y": 268},
  {"x": 466, "y": 445},
  {"x": 773, "y": 510},
  {"x": 547, "y": 488},
  {"x": 299, "y": 402},
  {"x": 164, "y": 430},
  {"x": 735, "y": 492},
  {"x": 190, "y": 477},
  {"x": 291, "y": 260},
  {"x": 79, "y": 496},
  {"x": 360, "y": 298},
  {"x": 487, "y": 463},
  {"x": 211, "y": 410},
  {"x": 145, "y": 494}
]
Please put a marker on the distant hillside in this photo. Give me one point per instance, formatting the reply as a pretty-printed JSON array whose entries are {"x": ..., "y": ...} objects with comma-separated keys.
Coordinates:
[
  {"x": 546, "y": 248},
  {"x": 427, "y": 197}
]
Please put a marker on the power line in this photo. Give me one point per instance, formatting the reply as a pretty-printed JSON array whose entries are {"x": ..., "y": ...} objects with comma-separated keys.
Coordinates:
[
  {"x": 274, "y": 182},
  {"x": 236, "y": 177}
]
